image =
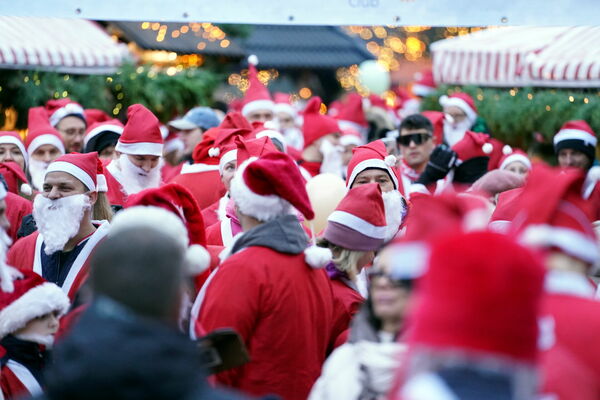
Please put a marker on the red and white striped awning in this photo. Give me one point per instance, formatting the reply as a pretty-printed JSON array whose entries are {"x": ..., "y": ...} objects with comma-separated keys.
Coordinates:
[
  {"x": 65, "y": 45},
  {"x": 520, "y": 56}
]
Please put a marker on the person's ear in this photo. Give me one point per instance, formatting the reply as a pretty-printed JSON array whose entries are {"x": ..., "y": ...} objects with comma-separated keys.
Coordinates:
[{"x": 93, "y": 197}]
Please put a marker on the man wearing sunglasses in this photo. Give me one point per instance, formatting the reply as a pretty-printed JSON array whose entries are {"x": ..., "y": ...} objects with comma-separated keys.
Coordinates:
[{"x": 416, "y": 144}]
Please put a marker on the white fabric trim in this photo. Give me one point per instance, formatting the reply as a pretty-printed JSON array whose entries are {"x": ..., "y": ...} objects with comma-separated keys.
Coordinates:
[
  {"x": 222, "y": 209},
  {"x": 568, "y": 282},
  {"x": 372, "y": 163},
  {"x": 285, "y": 108},
  {"x": 426, "y": 386},
  {"x": 63, "y": 166},
  {"x": 358, "y": 224},
  {"x": 25, "y": 377},
  {"x": 500, "y": 226},
  {"x": 570, "y": 241},
  {"x": 516, "y": 157},
  {"x": 46, "y": 138},
  {"x": 231, "y": 155},
  {"x": 460, "y": 103},
  {"x": 575, "y": 134},
  {"x": 272, "y": 134},
  {"x": 195, "y": 168},
  {"x": 13, "y": 140},
  {"x": 422, "y": 90},
  {"x": 346, "y": 140},
  {"x": 591, "y": 179},
  {"x": 226, "y": 232},
  {"x": 102, "y": 184},
  {"x": 140, "y": 148},
  {"x": 102, "y": 128},
  {"x": 195, "y": 311},
  {"x": 258, "y": 105},
  {"x": 68, "y": 109}
]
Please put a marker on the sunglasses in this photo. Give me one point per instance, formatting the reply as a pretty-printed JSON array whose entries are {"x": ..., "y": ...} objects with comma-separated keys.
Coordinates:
[
  {"x": 416, "y": 138},
  {"x": 397, "y": 283}
]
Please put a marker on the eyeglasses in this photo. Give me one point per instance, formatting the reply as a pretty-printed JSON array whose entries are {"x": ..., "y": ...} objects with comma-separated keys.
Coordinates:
[
  {"x": 416, "y": 138},
  {"x": 397, "y": 283}
]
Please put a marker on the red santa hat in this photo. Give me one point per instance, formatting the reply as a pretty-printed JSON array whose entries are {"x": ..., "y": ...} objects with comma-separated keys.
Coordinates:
[
  {"x": 10, "y": 137},
  {"x": 576, "y": 135},
  {"x": 141, "y": 135},
  {"x": 201, "y": 154},
  {"x": 257, "y": 96},
  {"x": 111, "y": 125},
  {"x": 235, "y": 120},
  {"x": 58, "y": 109},
  {"x": 358, "y": 222},
  {"x": 498, "y": 152},
  {"x": 93, "y": 116},
  {"x": 86, "y": 167},
  {"x": 554, "y": 215},
  {"x": 371, "y": 155},
  {"x": 352, "y": 114},
  {"x": 316, "y": 125},
  {"x": 424, "y": 83},
  {"x": 377, "y": 101},
  {"x": 507, "y": 207},
  {"x": 40, "y": 132},
  {"x": 15, "y": 178},
  {"x": 472, "y": 145},
  {"x": 511, "y": 155},
  {"x": 351, "y": 137},
  {"x": 26, "y": 296},
  {"x": 173, "y": 210},
  {"x": 462, "y": 101},
  {"x": 244, "y": 148},
  {"x": 270, "y": 129},
  {"x": 481, "y": 293},
  {"x": 283, "y": 104}
]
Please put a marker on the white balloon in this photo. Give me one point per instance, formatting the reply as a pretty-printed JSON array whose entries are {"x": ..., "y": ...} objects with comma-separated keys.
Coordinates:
[{"x": 374, "y": 77}]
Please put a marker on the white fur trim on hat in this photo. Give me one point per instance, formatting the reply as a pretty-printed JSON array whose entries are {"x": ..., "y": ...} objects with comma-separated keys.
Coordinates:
[
  {"x": 102, "y": 128},
  {"x": 372, "y": 163},
  {"x": 263, "y": 208},
  {"x": 231, "y": 155},
  {"x": 140, "y": 148},
  {"x": 286, "y": 109},
  {"x": 516, "y": 157},
  {"x": 358, "y": 224},
  {"x": 37, "y": 301},
  {"x": 26, "y": 189},
  {"x": 253, "y": 59},
  {"x": 258, "y": 105},
  {"x": 13, "y": 140},
  {"x": 390, "y": 160},
  {"x": 317, "y": 257},
  {"x": 506, "y": 150},
  {"x": 46, "y": 139},
  {"x": 446, "y": 101},
  {"x": 575, "y": 134},
  {"x": 101, "y": 183},
  {"x": 422, "y": 90},
  {"x": 72, "y": 169},
  {"x": 214, "y": 152},
  {"x": 487, "y": 148},
  {"x": 68, "y": 109},
  {"x": 272, "y": 134},
  {"x": 347, "y": 140},
  {"x": 198, "y": 259},
  {"x": 570, "y": 241}
]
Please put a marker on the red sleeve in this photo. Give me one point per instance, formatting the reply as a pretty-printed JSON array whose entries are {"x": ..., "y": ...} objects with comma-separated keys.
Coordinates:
[
  {"x": 20, "y": 254},
  {"x": 16, "y": 208}
]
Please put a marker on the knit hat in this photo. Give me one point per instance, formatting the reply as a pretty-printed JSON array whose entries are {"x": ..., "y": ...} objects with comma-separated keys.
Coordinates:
[
  {"x": 141, "y": 135},
  {"x": 283, "y": 104},
  {"x": 481, "y": 293},
  {"x": 462, "y": 101},
  {"x": 147, "y": 209},
  {"x": 96, "y": 132},
  {"x": 358, "y": 222},
  {"x": 424, "y": 83},
  {"x": 315, "y": 124},
  {"x": 512, "y": 155},
  {"x": 15, "y": 178},
  {"x": 56, "y": 110},
  {"x": 10, "y": 137},
  {"x": 554, "y": 215},
  {"x": 40, "y": 132},
  {"x": 86, "y": 167},
  {"x": 25, "y": 296},
  {"x": 576, "y": 135},
  {"x": 257, "y": 96},
  {"x": 352, "y": 114},
  {"x": 371, "y": 155}
]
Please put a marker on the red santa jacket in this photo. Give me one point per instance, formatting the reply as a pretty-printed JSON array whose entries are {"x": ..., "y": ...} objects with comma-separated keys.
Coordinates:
[
  {"x": 279, "y": 305},
  {"x": 215, "y": 212},
  {"x": 591, "y": 190},
  {"x": 203, "y": 181},
  {"x": 26, "y": 254},
  {"x": 16, "y": 208},
  {"x": 16, "y": 381},
  {"x": 568, "y": 336},
  {"x": 220, "y": 234},
  {"x": 347, "y": 302}
]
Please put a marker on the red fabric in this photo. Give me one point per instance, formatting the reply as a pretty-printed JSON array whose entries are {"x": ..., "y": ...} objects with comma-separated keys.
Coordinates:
[
  {"x": 54, "y": 105},
  {"x": 213, "y": 235},
  {"x": 16, "y": 208},
  {"x": 497, "y": 155},
  {"x": 256, "y": 90},
  {"x": 366, "y": 203},
  {"x": 235, "y": 120},
  {"x": 249, "y": 147},
  {"x": 352, "y": 110},
  {"x": 571, "y": 367},
  {"x": 13, "y": 176},
  {"x": 169, "y": 171},
  {"x": 347, "y": 302},
  {"x": 472, "y": 145},
  {"x": 205, "y": 186},
  {"x": 93, "y": 116},
  {"x": 11, "y": 386},
  {"x": 312, "y": 167},
  {"x": 38, "y": 125},
  {"x": 115, "y": 193},
  {"x": 376, "y": 152},
  {"x": 315, "y": 124},
  {"x": 68, "y": 321},
  {"x": 278, "y": 305},
  {"x": 211, "y": 214},
  {"x": 507, "y": 206},
  {"x": 29, "y": 281},
  {"x": 87, "y": 162},
  {"x": 594, "y": 202},
  {"x": 142, "y": 126},
  {"x": 578, "y": 125}
]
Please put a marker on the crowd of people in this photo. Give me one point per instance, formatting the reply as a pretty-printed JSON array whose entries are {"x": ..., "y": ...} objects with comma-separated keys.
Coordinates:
[{"x": 181, "y": 261}]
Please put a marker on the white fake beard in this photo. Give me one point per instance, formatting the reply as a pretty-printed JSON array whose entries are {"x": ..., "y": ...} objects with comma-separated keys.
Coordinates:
[
  {"x": 59, "y": 220},
  {"x": 37, "y": 170},
  {"x": 45, "y": 340},
  {"x": 332, "y": 158},
  {"x": 395, "y": 211},
  {"x": 293, "y": 137},
  {"x": 134, "y": 179},
  {"x": 453, "y": 133}
]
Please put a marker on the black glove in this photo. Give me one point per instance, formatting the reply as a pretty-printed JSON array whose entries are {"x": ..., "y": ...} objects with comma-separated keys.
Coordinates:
[
  {"x": 471, "y": 170},
  {"x": 442, "y": 159}
]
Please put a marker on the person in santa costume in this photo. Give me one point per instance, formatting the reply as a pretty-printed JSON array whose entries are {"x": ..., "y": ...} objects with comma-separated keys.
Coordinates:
[
  {"x": 460, "y": 115},
  {"x": 321, "y": 139},
  {"x": 257, "y": 103},
  {"x": 43, "y": 143},
  {"x": 279, "y": 302},
  {"x": 102, "y": 137},
  {"x": 515, "y": 161},
  {"x": 415, "y": 141},
  {"x": 139, "y": 150},
  {"x": 63, "y": 213},
  {"x": 474, "y": 327},
  {"x": 14, "y": 207},
  {"x": 288, "y": 121},
  {"x": 352, "y": 115},
  {"x": 556, "y": 219},
  {"x": 68, "y": 117},
  {"x": 12, "y": 148},
  {"x": 575, "y": 147}
]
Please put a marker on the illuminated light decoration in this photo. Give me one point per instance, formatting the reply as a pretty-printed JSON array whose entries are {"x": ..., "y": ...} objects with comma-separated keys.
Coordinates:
[
  {"x": 224, "y": 43},
  {"x": 65, "y": 93},
  {"x": 66, "y": 77},
  {"x": 586, "y": 100},
  {"x": 184, "y": 29},
  {"x": 175, "y": 34},
  {"x": 530, "y": 96},
  {"x": 201, "y": 46},
  {"x": 171, "y": 71},
  {"x": 155, "y": 26},
  {"x": 145, "y": 25},
  {"x": 571, "y": 99},
  {"x": 305, "y": 93},
  {"x": 323, "y": 109},
  {"x": 548, "y": 108}
]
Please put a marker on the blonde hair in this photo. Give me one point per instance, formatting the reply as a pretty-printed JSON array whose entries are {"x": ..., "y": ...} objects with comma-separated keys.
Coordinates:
[
  {"x": 102, "y": 210},
  {"x": 345, "y": 260}
]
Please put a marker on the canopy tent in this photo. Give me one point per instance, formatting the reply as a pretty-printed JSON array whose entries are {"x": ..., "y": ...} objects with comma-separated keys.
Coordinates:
[
  {"x": 65, "y": 45},
  {"x": 520, "y": 56}
]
